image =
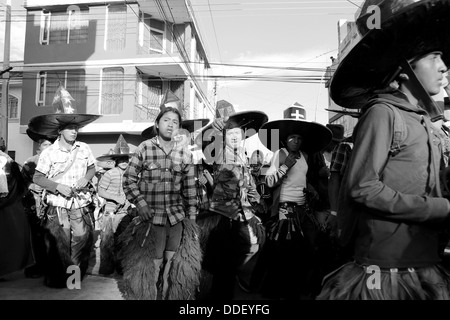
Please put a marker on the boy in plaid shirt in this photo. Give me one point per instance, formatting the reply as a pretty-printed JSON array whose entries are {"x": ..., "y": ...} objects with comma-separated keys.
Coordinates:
[{"x": 160, "y": 181}]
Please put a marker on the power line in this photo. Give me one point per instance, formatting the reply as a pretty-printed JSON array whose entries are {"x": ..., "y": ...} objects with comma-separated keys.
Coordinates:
[
  {"x": 353, "y": 3},
  {"x": 217, "y": 43}
]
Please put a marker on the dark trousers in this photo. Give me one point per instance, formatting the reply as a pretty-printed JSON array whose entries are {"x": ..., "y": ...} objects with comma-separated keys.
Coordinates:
[{"x": 298, "y": 255}]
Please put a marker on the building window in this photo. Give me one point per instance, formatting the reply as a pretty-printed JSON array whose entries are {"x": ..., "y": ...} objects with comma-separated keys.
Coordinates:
[
  {"x": 13, "y": 106},
  {"x": 112, "y": 91},
  {"x": 148, "y": 98},
  {"x": 151, "y": 34},
  {"x": 49, "y": 81},
  {"x": 116, "y": 26},
  {"x": 59, "y": 27}
]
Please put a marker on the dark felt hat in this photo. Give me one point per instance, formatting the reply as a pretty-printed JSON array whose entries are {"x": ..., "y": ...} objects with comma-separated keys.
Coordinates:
[
  {"x": 36, "y": 136},
  {"x": 337, "y": 130},
  {"x": 407, "y": 30},
  {"x": 315, "y": 135},
  {"x": 249, "y": 121},
  {"x": 65, "y": 114}
]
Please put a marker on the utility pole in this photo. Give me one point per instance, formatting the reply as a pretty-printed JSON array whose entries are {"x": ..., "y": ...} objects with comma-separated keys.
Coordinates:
[{"x": 5, "y": 75}]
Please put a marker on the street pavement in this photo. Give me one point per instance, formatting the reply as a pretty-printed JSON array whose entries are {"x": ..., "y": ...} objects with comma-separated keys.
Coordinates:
[{"x": 93, "y": 287}]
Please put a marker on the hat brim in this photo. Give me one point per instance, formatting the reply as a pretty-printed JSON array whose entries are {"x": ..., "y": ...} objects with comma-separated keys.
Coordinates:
[
  {"x": 49, "y": 124},
  {"x": 36, "y": 136},
  {"x": 315, "y": 136},
  {"x": 190, "y": 125},
  {"x": 249, "y": 121},
  {"x": 419, "y": 28},
  {"x": 113, "y": 156},
  {"x": 353, "y": 114}
]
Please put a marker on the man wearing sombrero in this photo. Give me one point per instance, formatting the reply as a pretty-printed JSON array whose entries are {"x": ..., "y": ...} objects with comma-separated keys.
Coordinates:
[
  {"x": 160, "y": 246},
  {"x": 231, "y": 233},
  {"x": 391, "y": 210},
  {"x": 110, "y": 188},
  {"x": 64, "y": 170},
  {"x": 292, "y": 227}
]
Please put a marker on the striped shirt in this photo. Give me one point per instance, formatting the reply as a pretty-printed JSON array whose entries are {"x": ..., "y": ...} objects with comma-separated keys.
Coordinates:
[
  {"x": 54, "y": 160},
  {"x": 111, "y": 182},
  {"x": 161, "y": 181}
]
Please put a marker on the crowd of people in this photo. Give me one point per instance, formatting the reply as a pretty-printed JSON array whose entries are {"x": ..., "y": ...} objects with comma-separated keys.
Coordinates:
[{"x": 190, "y": 215}]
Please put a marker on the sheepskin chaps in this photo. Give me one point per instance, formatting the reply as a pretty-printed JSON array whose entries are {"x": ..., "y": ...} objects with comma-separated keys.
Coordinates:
[
  {"x": 207, "y": 223},
  {"x": 137, "y": 255},
  {"x": 184, "y": 275},
  {"x": 59, "y": 252},
  {"x": 107, "y": 261},
  {"x": 118, "y": 241},
  {"x": 57, "y": 257},
  {"x": 350, "y": 282},
  {"x": 86, "y": 245}
]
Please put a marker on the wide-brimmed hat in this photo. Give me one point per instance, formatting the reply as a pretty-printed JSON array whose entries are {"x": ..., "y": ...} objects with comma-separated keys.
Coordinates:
[
  {"x": 190, "y": 125},
  {"x": 65, "y": 114},
  {"x": 337, "y": 131},
  {"x": 406, "y": 30},
  {"x": 315, "y": 135},
  {"x": 353, "y": 114},
  {"x": 249, "y": 121},
  {"x": 120, "y": 151},
  {"x": 36, "y": 136}
]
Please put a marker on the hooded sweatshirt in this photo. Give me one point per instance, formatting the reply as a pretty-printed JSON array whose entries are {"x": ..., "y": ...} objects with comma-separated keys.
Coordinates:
[{"x": 397, "y": 208}]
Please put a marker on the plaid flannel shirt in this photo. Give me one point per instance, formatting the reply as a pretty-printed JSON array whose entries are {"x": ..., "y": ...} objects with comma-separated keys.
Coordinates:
[
  {"x": 340, "y": 157},
  {"x": 164, "y": 182},
  {"x": 54, "y": 160}
]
